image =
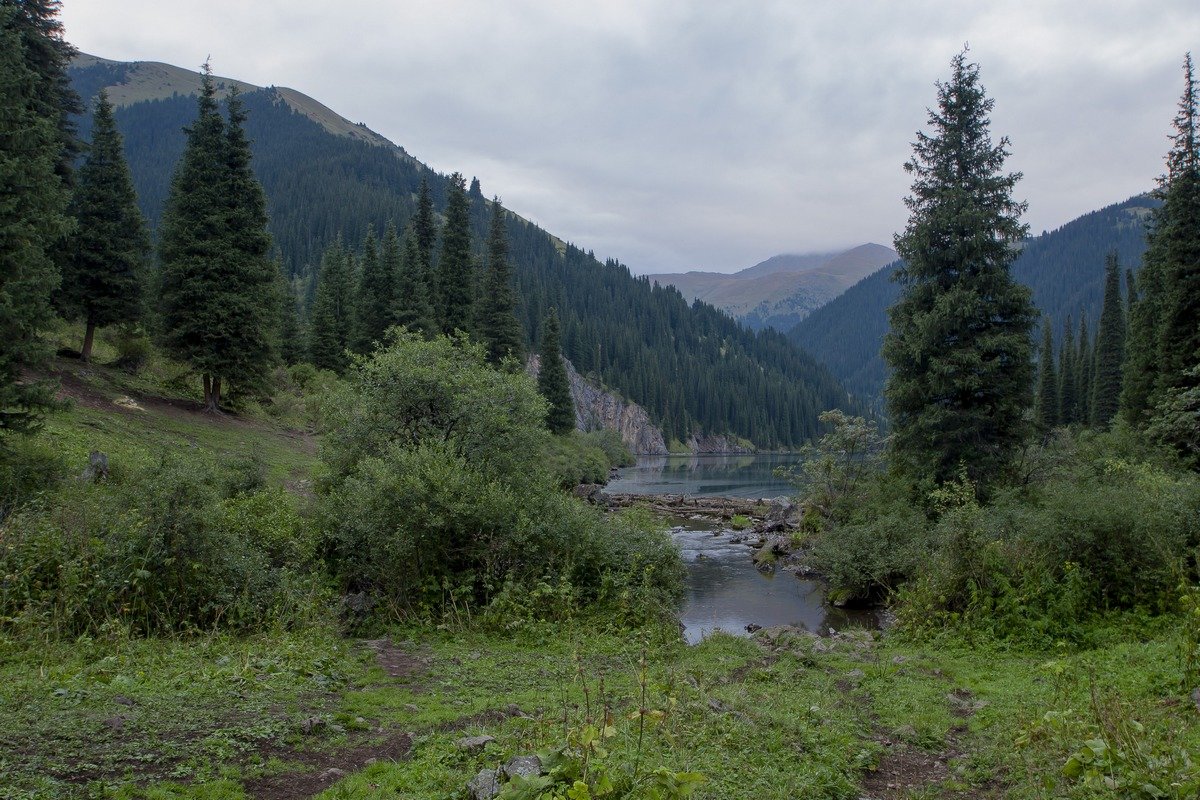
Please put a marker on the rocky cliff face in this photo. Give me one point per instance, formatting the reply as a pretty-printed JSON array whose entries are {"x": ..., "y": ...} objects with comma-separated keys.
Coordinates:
[{"x": 598, "y": 409}]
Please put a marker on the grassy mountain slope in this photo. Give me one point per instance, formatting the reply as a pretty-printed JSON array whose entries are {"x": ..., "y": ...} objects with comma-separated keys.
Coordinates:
[
  {"x": 782, "y": 290},
  {"x": 691, "y": 367},
  {"x": 1064, "y": 268}
]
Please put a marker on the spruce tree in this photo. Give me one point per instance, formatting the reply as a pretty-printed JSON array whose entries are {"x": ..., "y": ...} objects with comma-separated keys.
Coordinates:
[
  {"x": 552, "y": 378},
  {"x": 219, "y": 304},
  {"x": 104, "y": 278},
  {"x": 959, "y": 346},
  {"x": 33, "y": 223},
  {"x": 1047, "y": 393},
  {"x": 498, "y": 325},
  {"x": 376, "y": 298},
  {"x": 1085, "y": 366},
  {"x": 455, "y": 298},
  {"x": 331, "y": 321},
  {"x": 1068, "y": 373},
  {"x": 425, "y": 229},
  {"x": 1110, "y": 348},
  {"x": 291, "y": 339},
  {"x": 413, "y": 308},
  {"x": 1164, "y": 325}
]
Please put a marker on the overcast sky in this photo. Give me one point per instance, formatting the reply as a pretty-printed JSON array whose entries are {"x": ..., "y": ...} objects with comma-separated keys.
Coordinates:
[{"x": 701, "y": 135}]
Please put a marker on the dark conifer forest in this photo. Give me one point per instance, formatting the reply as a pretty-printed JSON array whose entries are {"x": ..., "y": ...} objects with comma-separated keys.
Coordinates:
[{"x": 692, "y": 367}]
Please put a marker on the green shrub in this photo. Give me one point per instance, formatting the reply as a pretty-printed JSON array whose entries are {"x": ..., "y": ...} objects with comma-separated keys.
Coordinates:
[
  {"x": 571, "y": 460},
  {"x": 163, "y": 549},
  {"x": 439, "y": 495},
  {"x": 615, "y": 449},
  {"x": 133, "y": 346},
  {"x": 28, "y": 467}
]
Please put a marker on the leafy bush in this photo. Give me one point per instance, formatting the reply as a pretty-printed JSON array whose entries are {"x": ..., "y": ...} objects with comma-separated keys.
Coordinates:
[
  {"x": 166, "y": 549},
  {"x": 615, "y": 449},
  {"x": 28, "y": 467},
  {"x": 438, "y": 495},
  {"x": 571, "y": 460}
]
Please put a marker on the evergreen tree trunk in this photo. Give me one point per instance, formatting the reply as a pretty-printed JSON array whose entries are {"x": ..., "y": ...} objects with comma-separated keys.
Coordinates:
[{"x": 89, "y": 333}]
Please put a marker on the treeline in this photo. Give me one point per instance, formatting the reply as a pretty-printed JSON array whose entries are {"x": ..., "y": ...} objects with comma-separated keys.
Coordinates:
[
  {"x": 1064, "y": 268},
  {"x": 692, "y": 367}
]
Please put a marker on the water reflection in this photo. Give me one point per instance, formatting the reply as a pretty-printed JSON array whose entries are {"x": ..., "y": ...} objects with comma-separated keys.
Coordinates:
[{"x": 707, "y": 475}]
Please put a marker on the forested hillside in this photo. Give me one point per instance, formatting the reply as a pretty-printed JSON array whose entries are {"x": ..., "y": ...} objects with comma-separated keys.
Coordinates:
[
  {"x": 1064, "y": 268},
  {"x": 692, "y": 367}
]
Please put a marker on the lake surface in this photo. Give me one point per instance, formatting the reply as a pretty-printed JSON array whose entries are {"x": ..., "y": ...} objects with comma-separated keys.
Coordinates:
[
  {"x": 724, "y": 590},
  {"x": 707, "y": 475}
]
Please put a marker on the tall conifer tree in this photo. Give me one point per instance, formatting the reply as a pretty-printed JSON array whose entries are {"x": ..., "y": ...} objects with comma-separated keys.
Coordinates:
[
  {"x": 1047, "y": 395},
  {"x": 455, "y": 298},
  {"x": 376, "y": 295},
  {"x": 1085, "y": 366},
  {"x": 331, "y": 321},
  {"x": 250, "y": 329},
  {"x": 959, "y": 346},
  {"x": 104, "y": 278},
  {"x": 33, "y": 223},
  {"x": 552, "y": 378},
  {"x": 425, "y": 230},
  {"x": 1164, "y": 324},
  {"x": 1068, "y": 373},
  {"x": 498, "y": 325},
  {"x": 413, "y": 307},
  {"x": 193, "y": 248},
  {"x": 1110, "y": 347}
]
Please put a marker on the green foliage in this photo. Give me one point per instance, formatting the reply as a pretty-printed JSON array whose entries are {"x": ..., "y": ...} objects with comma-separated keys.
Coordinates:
[
  {"x": 414, "y": 306},
  {"x": 960, "y": 346},
  {"x": 552, "y": 379},
  {"x": 218, "y": 287},
  {"x": 437, "y": 493},
  {"x": 835, "y": 468},
  {"x": 498, "y": 325},
  {"x": 1068, "y": 377},
  {"x": 615, "y": 449},
  {"x": 374, "y": 295},
  {"x": 573, "y": 460},
  {"x": 105, "y": 277},
  {"x": 1046, "y": 410},
  {"x": 34, "y": 199},
  {"x": 1164, "y": 331},
  {"x": 331, "y": 322},
  {"x": 455, "y": 283},
  {"x": 1110, "y": 347},
  {"x": 169, "y": 548}
]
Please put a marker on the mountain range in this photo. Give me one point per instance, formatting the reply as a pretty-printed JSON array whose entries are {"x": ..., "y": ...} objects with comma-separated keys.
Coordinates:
[
  {"x": 784, "y": 289},
  {"x": 693, "y": 368},
  {"x": 1064, "y": 269}
]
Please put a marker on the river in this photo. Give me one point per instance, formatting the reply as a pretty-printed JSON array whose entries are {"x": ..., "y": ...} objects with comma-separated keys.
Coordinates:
[{"x": 724, "y": 590}]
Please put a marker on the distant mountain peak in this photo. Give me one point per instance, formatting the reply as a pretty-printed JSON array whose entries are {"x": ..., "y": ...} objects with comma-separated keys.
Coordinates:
[
  {"x": 136, "y": 81},
  {"x": 783, "y": 289}
]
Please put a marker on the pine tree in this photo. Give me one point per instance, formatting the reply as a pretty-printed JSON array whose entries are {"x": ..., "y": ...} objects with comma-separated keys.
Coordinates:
[
  {"x": 331, "y": 321},
  {"x": 1164, "y": 324},
  {"x": 1047, "y": 393},
  {"x": 1110, "y": 348},
  {"x": 193, "y": 249},
  {"x": 455, "y": 298},
  {"x": 552, "y": 379},
  {"x": 376, "y": 296},
  {"x": 1068, "y": 373},
  {"x": 291, "y": 339},
  {"x": 498, "y": 325},
  {"x": 104, "y": 277},
  {"x": 1084, "y": 366},
  {"x": 959, "y": 346},
  {"x": 33, "y": 222},
  {"x": 425, "y": 229},
  {"x": 220, "y": 308},
  {"x": 413, "y": 308}
]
